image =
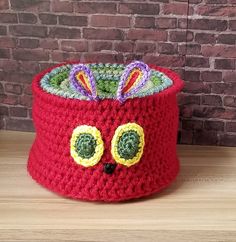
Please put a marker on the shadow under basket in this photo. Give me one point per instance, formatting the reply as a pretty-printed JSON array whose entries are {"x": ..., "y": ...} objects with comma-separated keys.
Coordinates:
[{"x": 105, "y": 132}]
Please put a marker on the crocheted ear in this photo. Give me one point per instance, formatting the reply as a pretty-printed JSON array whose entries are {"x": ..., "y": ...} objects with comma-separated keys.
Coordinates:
[
  {"x": 132, "y": 80},
  {"x": 82, "y": 79}
]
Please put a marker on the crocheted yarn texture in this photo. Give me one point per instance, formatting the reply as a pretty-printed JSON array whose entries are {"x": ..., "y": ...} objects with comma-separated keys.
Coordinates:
[{"x": 105, "y": 132}]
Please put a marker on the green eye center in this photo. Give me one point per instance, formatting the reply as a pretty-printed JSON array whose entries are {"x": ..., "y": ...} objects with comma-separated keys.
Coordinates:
[
  {"x": 85, "y": 145},
  {"x": 128, "y": 144}
]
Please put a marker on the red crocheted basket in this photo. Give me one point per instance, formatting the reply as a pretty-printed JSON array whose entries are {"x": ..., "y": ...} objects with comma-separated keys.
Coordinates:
[{"x": 105, "y": 132}]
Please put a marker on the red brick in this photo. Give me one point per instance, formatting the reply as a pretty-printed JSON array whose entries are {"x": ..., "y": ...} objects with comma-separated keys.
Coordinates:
[
  {"x": 124, "y": 46},
  {"x": 205, "y": 38},
  {"x": 204, "y": 137},
  {"x": 8, "y": 18},
  {"x": 182, "y": 23},
  {"x": 7, "y": 42},
  {"x": 144, "y": 47},
  {"x": 4, "y": 111},
  {"x": 64, "y": 33},
  {"x": 73, "y": 20},
  {"x": 51, "y": 44},
  {"x": 29, "y": 66},
  {"x": 212, "y": 100},
  {"x": 100, "y": 45},
  {"x": 219, "y": 51},
  {"x": 13, "y": 88},
  {"x": 95, "y": 7},
  {"x": 26, "y": 100},
  {"x": 186, "y": 111},
  {"x": 228, "y": 139},
  {"x": 16, "y": 76},
  {"x": 175, "y": 8},
  {"x": 225, "y": 64},
  {"x": 62, "y": 6},
  {"x": 104, "y": 57},
  {"x": 226, "y": 88},
  {"x": 80, "y": 45},
  {"x": 37, "y": 55},
  {"x": 180, "y": 36},
  {"x": 165, "y": 60},
  {"x": 166, "y": 23},
  {"x": 4, "y": 4},
  {"x": 196, "y": 87},
  {"x": 28, "y": 30},
  {"x": 28, "y": 18},
  {"x": 28, "y": 5},
  {"x": 18, "y": 112},
  {"x": 28, "y": 43},
  {"x": 4, "y": 53},
  {"x": 8, "y": 66},
  {"x": 144, "y": 22},
  {"x": 61, "y": 56},
  {"x": 231, "y": 126},
  {"x": 216, "y": 1},
  {"x": 27, "y": 89},
  {"x": 229, "y": 101},
  {"x": 110, "y": 21},
  {"x": 207, "y": 24},
  {"x": 229, "y": 76},
  {"x": 192, "y": 124},
  {"x": 106, "y": 34},
  {"x": 214, "y": 125},
  {"x": 167, "y": 48},
  {"x": 147, "y": 34},
  {"x": 193, "y": 76},
  {"x": 190, "y": 49},
  {"x": 19, "y": 124},
  {"x": 140, "y": 8},
  {"x": 186, "y": 137},
  {"x": 232, "y": 24},
  {"x": 211, "y": 76},
  {"x": 197, "y": 61},
  {"x": 214, "y": 112},
  {"x": 187, "y": 99},
  {"x": 209, "y": 10},
  {"x": 9, "y": 99},
  {"x": 47, "y": 18},
  {"x": 229, "y": 39},
  {"x": 3, "y": 30}
]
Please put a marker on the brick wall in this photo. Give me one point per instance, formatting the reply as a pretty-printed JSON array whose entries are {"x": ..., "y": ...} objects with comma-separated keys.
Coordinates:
[{"x": 196, "y": 38}]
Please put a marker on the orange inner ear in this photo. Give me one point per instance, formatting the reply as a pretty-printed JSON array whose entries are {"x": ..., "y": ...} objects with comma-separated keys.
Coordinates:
[
  {"x": 131, "y": 80},
  {"x": 80, "y": 77}
]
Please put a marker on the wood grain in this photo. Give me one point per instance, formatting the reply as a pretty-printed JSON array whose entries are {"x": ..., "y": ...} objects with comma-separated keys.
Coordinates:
[{"x": 199, "y": 206}]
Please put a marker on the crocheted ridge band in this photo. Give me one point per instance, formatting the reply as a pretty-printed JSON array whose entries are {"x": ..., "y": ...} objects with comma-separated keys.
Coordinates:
[
  {"x": 106, "y": 78},
  {"x": 112, "y": 140}
]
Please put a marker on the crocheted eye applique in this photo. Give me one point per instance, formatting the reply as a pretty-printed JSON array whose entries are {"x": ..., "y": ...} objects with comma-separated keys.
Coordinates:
[
  {"x": 127, "y": 144},
  {"x": 86, "y": 145},
  {"x": 83, "y": 81}
]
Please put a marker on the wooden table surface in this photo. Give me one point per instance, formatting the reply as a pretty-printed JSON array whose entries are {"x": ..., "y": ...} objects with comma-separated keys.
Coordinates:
[{"x": 199, "y": 206}]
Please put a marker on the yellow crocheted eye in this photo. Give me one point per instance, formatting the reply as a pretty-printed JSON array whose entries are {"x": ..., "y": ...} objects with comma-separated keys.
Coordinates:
[
  {"x": 86, "y": 145},
  {"x": 127, "y": 144}
]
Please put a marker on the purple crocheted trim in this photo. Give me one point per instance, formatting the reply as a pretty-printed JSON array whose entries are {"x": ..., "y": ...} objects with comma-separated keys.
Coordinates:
[
  {"x": 78, "y": 86},
  {"x": 145, "y": 76}
]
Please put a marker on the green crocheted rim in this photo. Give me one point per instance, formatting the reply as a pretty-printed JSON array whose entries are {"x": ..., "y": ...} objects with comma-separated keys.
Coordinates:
[
  {"x": 85, "y": 145},
  {"x": 107, "y": 78},
  {"x": 128, "y": 144}
]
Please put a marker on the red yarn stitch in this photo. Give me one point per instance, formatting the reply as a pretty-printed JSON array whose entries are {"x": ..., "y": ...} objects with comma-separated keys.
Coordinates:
[{"x": 55, "y": 117}]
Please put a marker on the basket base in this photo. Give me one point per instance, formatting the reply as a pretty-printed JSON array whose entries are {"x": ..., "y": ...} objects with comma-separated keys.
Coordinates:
[{"x": 36, "y": 169}]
